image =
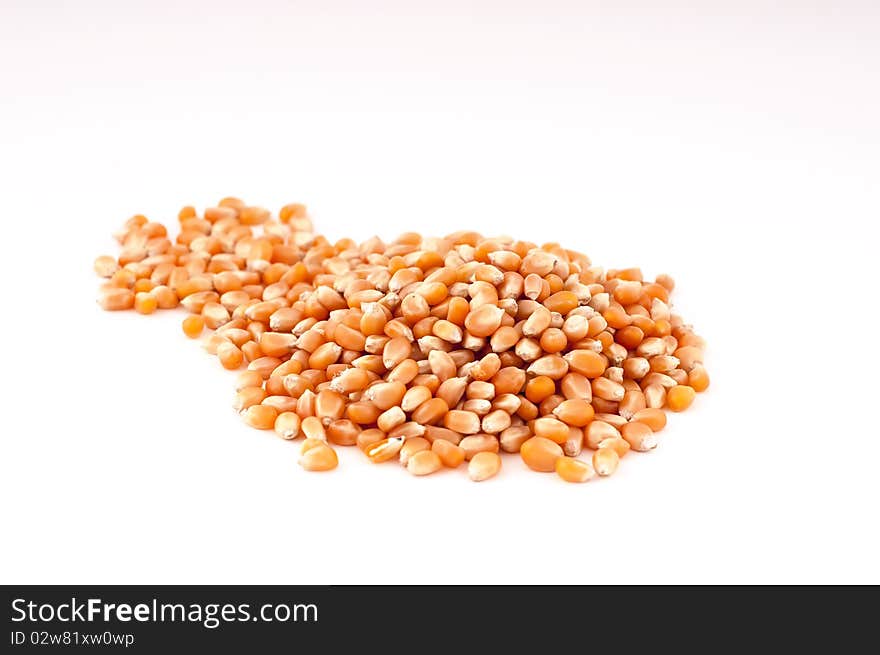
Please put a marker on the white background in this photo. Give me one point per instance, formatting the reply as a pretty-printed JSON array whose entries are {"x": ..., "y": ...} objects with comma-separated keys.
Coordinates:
[{"x": 733, "y": 146}]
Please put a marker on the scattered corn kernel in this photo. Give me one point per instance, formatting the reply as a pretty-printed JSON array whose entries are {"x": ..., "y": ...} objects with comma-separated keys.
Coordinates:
[
  {"x": 483, "y": 466},
  {"x": 573, "y": 470},
  {"x": 193, "y": 326}
]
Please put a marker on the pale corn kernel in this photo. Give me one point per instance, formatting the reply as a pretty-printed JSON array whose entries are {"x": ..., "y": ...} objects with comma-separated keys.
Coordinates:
[
  {"x": 616, "y": 355},
  {"x": 280, "y": 402},
  {"x": 483, "y": 321},
  {"x": 251, "y": 351},
  {"x": 447, "y": 331},
  {"x": 639, "y": 436},
  {"x": 605, "y": 461},
  {"x": 478, "y": 443},
  {"x": 627, "y": 292},
  {"x": 689, "y": 356},
  {"x": 539, "y": 262},
  {"x": 537, "y": 322},
  {"x": 165, "y": 297},
  {"x": 329, "y": 405},
  {"x": 452, "y": 390},
  {"x": 665, "y": 281},
  {"x": 320, "y": 457},
  {"x": 504, "y": 338},
  {"x": 528, "y": 349},
  {"x": 395, "y": 351},
  {"x": 247, "y": 397},
  {"x": 512, "y": 439},
  {"x": 441, "y": 364},
  {"x": 248, "y": 379},
  {"x": 264, "y": 365},
  {"x": 575, "y": 327},
  {"x": 385, "y": 395},
  {"x": 230, "y": 355},
  {"x": 655, "y": 396},
  {"x": 495, "y": 421},
  {"x": 617, "y": 444},
  {"x": 308, "y": 444},
  {"x": 664, "y": 363},
  {"x": 633, "y": 401},
  {"x": 482, "y": 293},
  {"x": 287, "y": 425},
  {"x": 597, "y": 431},
  {"x": 414, "y": 397},
  {"x": 505, "y": 259},
  {"x": 573, "y": 470},
  {"x": 114, "y": 299},
  {"x": 575, "y": 442},
  {"x": 480, "y": 389},
  {"x": 680, "y": 376},
  {"x": 405, "y": 372},
  {"x": 478, "y": 406},
  {"x": 551, "y": 428},
  {"x": 576, "y": 386},
  {"x": 461, "y": 421},
  {"x": 350, "y": 380},
  {"x": 196, "y": 302},
  {"x": 305, "y": 404},
  {"x": 106, "y": 266},
  {"x": 665, "y": 381},
  {"x": 651, "y": 347},
  {"x": 371, "y": 363},
  {"x": 484, "y": 465},
  {"x": 607, "y": 389},
  {"x": 411, "y": 447},
  {"x": 507, "y": 402},
  {"x": 215, "y": 314},
  {"x": 313, "y": 428},
  {"x": 635, "y": 368},
  {"x": 553, "y": 366},
  {"x": 390, "y": 418},
  {"x": 261, "y": 417},
  {"x": 424, "y": 462},
  {"x": 532, "y": 285}
]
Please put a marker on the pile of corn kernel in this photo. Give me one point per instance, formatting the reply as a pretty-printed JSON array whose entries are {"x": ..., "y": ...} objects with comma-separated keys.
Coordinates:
[{"x": 429, "y": 351}]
